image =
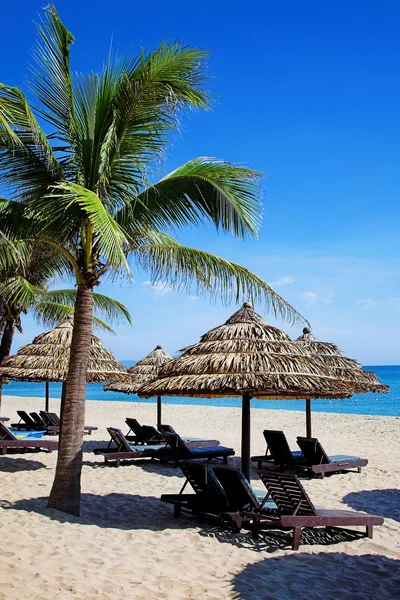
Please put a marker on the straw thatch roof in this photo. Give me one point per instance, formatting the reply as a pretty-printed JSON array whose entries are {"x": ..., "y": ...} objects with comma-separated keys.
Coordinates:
[
  {"x": 247, "y": 356},
  {"x": 47, "y": 358},
  {"x": 145, "y": 370},
  {"x": 346, "y": 369}
]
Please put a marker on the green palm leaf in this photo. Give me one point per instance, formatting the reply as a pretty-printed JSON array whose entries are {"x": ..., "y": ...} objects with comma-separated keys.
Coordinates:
[
  {"x": 181, "y": 268},
  {"x": 226, "y": 194}
]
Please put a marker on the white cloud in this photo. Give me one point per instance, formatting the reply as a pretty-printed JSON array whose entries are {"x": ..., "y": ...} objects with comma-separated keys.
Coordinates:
[
  {"x": 193, "y": 298},
  {"x": 287, "y": 280},
  {"x": 374, "y": 303},
  {"x": 310, "y": 298},
  {"x": 159, "y": 288}
]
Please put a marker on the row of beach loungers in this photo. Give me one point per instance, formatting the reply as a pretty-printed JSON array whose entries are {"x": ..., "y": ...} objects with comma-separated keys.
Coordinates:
[
  {"x": 44, "y": 421},
  {"x": 164, "y": 444},
  {"x": 223, "y": 493},
  {"x": 144, "y": 441},
  {"x": 220, "y": 492},
  {"x": 167, "y": 446},
  {"x": 311, "y": 458}
]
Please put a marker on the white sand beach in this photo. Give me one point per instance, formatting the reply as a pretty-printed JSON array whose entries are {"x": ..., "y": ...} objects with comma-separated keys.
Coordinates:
[{"x": 127, "y": 545}]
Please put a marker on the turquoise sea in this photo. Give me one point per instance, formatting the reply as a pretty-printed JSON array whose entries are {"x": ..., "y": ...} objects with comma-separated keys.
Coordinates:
[{"x": 362, "y": 404}]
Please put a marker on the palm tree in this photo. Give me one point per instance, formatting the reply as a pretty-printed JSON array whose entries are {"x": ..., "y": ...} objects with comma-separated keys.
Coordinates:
[
  {"x": 89, "y": 189},
  {"x": 25, "y": 273}
]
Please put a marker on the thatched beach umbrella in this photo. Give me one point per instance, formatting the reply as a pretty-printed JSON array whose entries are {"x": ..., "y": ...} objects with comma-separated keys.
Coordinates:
[
  {"x": 246, "y": 357},
  {"x": 145, "y": 370},
  {"x": 345, "y": 369},
  {"x": 47, "y": 358}
]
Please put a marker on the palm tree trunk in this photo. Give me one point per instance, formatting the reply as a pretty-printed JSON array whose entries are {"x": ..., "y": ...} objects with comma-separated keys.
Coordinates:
[
  {"x": 65, "y": 494},
  {"x": 5, "y": 346}
]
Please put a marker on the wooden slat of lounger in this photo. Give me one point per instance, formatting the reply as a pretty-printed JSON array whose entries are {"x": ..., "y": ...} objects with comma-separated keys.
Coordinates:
[
  {"x": 25, "y": 443},
  {"x": 339, "y": 466},
  {"x": 333, "y": 518}
]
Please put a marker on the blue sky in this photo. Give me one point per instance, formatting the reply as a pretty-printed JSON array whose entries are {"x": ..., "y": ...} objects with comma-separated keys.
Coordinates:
[{"x": 308, "y": 93}]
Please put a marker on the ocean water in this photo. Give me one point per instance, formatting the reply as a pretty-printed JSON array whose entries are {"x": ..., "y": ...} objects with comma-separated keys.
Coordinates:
[{"x": 362, "y": 404}]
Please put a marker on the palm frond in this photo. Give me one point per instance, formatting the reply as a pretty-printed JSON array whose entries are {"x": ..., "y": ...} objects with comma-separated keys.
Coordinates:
[
  {"x": 51, "y": 78},
  {"x": 113, "y": 311},
  {"x": 181, "y": 268},
  {"x": 50, "y": 314},
  {"x": 228, "y": 195}
]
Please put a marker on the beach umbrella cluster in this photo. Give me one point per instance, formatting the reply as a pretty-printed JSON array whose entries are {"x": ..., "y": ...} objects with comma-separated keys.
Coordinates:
[
  {"x": 47, "y": 358},
  {"x": 146, "y": 369},
  {"x": 248, "y": 358}
]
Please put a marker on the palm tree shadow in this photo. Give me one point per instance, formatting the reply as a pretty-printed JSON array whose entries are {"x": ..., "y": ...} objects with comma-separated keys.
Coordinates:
[
  {"x": 12, "y": 465},
  {"x": 385, "y": 503},
  {"x": 115, "y": 511},
  {"x": 328, "y": 575}
]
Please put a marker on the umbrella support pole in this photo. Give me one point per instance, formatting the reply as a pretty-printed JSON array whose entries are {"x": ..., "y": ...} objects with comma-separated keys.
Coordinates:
[
  {"x": 308, "y": 418},
  {"x": 246, "y": 435},
  {"x": 47, "y": 402},
  {"x": 158, "y": 411}
]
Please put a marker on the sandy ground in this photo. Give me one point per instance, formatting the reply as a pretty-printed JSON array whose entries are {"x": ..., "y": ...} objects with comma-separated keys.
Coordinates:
[{"x": 127, "y": 545}]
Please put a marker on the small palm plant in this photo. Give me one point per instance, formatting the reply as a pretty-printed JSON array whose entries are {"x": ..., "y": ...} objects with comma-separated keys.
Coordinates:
[{"x": 89, "y": 189}]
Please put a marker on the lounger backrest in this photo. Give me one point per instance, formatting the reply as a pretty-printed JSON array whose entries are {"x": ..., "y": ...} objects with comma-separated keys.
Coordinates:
[
  {"x": 177, "y": 443},
  {"x": 45, "y": 417},
  {"x": 152, "y": 433},
  {"x": 237, "y": 488},
  {"x": 287, "y": 493},
  {"x": 119, "y": 439},
  {"x": 204, "y": 483},
  {"x": 38, "y": 420},
  {"x": 6, "y": 434},
  {"x": 136, "y": 427},
  {"x": 313, "y": 451},
  {"x": 26, "y": 418},
  {"x": 166, "y": 429},
  {"x": 278, "y": 447},
  {"x": 55, "y": 419}
]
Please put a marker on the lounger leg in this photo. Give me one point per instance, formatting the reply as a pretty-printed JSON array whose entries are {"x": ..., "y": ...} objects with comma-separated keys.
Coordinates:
[
  {"x": 225, "y": 461},
  {"x": 4, "y": 450},
  {"x": 370, "y": 531},
  {"x": 259, "y": 464},
  {"x": 358, "y": 469},
  {"x": 255, "y": 529},
  {"x": 177, "y": 511},
  {"x": 296, "y": 538}
]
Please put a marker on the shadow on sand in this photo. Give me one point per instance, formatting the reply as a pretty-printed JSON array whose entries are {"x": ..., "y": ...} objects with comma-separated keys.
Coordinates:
[
  {"x": 328, "y": 575},
  {"x": 115, "y": 511},
  {"x": 277, "y": 539},
  {"x": 12, "y": 465},
  {"x": 380, "y": 502}
]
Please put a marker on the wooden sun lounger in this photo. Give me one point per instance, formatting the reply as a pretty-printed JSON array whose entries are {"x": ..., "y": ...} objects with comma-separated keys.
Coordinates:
[
  {"x": 25, "y": 422},
  {"x": 8, "y": 440},
  {"x": 146, "y": 434},
  {"x": 209, "y": 497},
  {"x": 221, "y": 492},
  {"x": 49, "y": 429},
  {"x": 4, "y": 419},
  {"x": 143, "y": 434},
  {"x": 278, "y": 451},
  {"x": 53, "y": 420},
  {"x": 119, "y": 449},
  {"x": 183, "y": 451},
  {"x": 295, "y": 509},
  {"x": 318, "y": 462}
]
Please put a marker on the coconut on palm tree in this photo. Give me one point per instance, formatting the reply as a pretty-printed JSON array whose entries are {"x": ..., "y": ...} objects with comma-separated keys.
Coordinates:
[{"x": 91, "y": 189}]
